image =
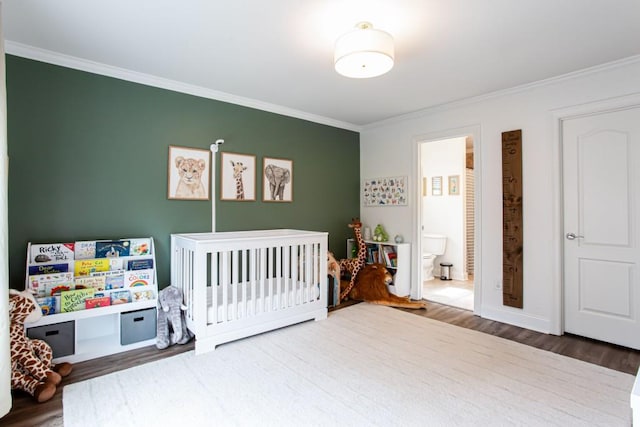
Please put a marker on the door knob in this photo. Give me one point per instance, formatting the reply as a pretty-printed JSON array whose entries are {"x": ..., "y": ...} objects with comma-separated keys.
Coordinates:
[{"x": 572, "y": 236}]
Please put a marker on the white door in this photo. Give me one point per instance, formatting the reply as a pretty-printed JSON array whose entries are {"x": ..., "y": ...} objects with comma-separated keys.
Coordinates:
[{"x": 601, "y": 179}]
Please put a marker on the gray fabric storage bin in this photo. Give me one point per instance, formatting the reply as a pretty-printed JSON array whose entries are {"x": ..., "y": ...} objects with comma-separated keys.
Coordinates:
[
  {"x": 60, "y": 336},
  {"x": 139, "y": 325}
]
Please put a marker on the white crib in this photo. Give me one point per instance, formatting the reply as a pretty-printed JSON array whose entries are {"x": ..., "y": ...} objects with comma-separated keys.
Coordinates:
[{"x": 242, "y": 283}]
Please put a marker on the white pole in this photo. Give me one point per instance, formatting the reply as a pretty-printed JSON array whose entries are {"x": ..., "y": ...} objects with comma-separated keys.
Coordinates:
[{"x": 214, "y": 150}]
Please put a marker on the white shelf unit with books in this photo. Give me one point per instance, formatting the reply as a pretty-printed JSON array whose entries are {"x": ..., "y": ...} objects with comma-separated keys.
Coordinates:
[
  {"x": 395, "y": 256},
  {"x": 108, "y": 306}
]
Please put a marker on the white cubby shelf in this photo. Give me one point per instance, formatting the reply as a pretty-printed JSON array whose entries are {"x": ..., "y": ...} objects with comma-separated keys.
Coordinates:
[{"x": 90, "y": 333}]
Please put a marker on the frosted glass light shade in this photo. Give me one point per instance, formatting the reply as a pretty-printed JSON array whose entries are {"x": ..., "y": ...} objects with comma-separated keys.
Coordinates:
[{"x": 364, "y": 52}]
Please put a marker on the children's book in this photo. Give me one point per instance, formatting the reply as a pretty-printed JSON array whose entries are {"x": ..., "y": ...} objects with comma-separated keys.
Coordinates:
[
  {"x": 141, "y": 295},
  {"x": 75, "y": 300},
  {"x": 85, "y": 250},
  {"x": 114, "y": 279},
  {"x": 96, "y": 282},
  {"x": 138, "y": 278},
  {"x": 48, "y": 284},
  {"x": 97, "y": 302},
  {"x": 112, "y": 249},
  {"x": 120, "y": 297},
  {"x": 114, "y": 282},
  {"x": 140, "y": 264},
  {"x": 55, "y": 290},
  {"x": 48, "y": 269},
  {"x": 116, "y": 263},
  {"x": 51, "y": 252},
  {"x": 393, "y": 259},
  {"x": 47, "y": 305},
  {"x": 140, "y": 247},
  {"x": 84, "y": 267},
  {"x": 389, "y": 254}
]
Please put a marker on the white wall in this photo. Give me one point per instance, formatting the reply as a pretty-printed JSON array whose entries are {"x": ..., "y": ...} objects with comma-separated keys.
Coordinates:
[
  {"x": 5, "y": 358},
  {"x": 445, "y": 214},
  {"x": 388, "y": 149}
]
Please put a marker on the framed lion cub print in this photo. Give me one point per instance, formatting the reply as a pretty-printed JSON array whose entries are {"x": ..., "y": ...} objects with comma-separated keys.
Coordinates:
[{"x": 188, "y": 173}]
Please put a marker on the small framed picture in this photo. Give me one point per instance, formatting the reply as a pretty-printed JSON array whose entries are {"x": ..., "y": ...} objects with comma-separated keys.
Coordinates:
[
  {"x": 454, "y": 185},
  {"x": 278, "y": 180},
  {"x": 237, "y": 177},
  {"x": 188, "y": 173},
  {"x": 436, "y": 186}
]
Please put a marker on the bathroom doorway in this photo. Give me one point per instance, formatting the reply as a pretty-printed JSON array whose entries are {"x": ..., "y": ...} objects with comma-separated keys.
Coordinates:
[{"x": 448, "y": 210}]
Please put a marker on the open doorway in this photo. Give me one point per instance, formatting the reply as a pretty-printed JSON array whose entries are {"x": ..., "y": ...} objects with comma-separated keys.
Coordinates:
[{"x": 447, "y": 221}]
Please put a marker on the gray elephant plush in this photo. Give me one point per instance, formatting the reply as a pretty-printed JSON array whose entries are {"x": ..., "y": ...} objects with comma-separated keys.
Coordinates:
[
  {"x": 278, "y": 177},
  {"x": 172, "y": 325}
]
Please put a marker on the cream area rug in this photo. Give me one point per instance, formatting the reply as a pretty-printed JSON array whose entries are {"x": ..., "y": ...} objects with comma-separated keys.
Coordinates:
[{"x": 365, "y": 365}]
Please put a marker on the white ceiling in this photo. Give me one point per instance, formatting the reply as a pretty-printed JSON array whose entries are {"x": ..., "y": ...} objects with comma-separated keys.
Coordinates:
[{"x": 279, "y": 53}]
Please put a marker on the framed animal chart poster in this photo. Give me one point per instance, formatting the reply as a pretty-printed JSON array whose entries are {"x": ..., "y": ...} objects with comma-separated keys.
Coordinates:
[
  {"x": 390, "y": 191},
  {"x": 188, "y": 173},
  {"x": 237, "y": 177},
  {"x": 278, "y": 180}
]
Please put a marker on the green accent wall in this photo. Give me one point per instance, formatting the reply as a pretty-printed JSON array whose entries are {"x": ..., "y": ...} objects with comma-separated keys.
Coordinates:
[{"x": 88, "y": 160}]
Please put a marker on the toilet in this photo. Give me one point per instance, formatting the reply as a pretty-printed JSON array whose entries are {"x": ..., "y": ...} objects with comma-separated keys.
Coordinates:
[{"x": 433, "y": 245}]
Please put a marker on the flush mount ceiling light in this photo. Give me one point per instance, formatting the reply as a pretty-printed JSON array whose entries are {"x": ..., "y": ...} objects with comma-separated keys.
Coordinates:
[{"x": 364, "y": 52}]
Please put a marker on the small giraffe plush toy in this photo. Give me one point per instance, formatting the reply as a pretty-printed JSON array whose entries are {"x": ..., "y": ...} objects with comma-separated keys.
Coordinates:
[{"x": 31, "y": 367}]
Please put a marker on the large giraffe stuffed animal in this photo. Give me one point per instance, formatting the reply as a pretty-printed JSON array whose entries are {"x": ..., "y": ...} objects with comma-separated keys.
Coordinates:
[
  {"x": 31, "y": 359},
  {"x": 353, "y": 265}
]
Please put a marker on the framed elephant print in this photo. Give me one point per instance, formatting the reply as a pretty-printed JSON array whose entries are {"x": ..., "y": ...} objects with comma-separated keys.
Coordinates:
[
  {"x": 278, "y": 180},
  {"x": 237, "y": 177}
]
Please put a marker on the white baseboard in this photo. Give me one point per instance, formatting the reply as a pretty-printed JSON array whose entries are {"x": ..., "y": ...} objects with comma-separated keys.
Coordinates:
[{"x": 527, "y": 321}]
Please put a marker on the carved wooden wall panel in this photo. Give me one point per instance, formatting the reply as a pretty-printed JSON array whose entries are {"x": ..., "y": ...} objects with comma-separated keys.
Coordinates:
[{"x": 512, "y": 242}]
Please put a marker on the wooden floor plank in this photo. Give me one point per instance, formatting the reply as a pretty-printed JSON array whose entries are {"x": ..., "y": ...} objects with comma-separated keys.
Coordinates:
[{"x": 27, "y": 413}]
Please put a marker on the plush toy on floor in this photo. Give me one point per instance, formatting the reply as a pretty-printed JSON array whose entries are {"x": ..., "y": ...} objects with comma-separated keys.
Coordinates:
[
  {"x": 371, "y": 286},
  {"x": 333, "y": 266},
  {"x": 172, "y": 324},
  {"x": 32, "y": 369}
]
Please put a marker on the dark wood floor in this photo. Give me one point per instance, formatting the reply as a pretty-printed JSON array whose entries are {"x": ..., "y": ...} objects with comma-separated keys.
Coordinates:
[{"x": 27, "y": 413}]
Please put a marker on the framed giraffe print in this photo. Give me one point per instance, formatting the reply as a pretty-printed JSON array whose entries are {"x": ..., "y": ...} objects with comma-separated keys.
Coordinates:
[
  {"x": 277, "y": 180},
  {"x": 237, "y": 177},
  {"x": 188, "y": 173}
]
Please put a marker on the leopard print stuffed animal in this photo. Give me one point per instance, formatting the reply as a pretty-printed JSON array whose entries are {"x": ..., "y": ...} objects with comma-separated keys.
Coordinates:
[{"x": 32, "y": 369}]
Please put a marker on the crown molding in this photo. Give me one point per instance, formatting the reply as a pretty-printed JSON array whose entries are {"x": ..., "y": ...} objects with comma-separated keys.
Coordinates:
[
  {"x": 55, "y": 58},
  {"x": 504, "y": 92}
]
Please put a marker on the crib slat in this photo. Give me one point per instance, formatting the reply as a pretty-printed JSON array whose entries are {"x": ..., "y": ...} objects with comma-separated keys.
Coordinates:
[
  {"x": 243, "y": 280},
  {"x": 263, "y": 279},
  {"x": 235, "y": 284},
  {"x": 224, "y": 282},
  {"x": 313, "y": 268},
  {"x": 279, "y": 250},
  {"x": 253, "y": 276},
  {"x": 293, "y": 272},
  {"x": 308, "y": 279},
  {"x": 187, "y": 276},
  {"x": 213, "y": 286}
]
